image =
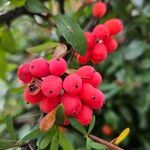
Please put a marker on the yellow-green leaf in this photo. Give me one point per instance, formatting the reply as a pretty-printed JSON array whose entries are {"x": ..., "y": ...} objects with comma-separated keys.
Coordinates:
[{"x": 122, "y": 136}]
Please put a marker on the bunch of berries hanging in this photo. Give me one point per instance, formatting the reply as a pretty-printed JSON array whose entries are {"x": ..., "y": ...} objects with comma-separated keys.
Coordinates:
[
  {"x": 100, "y": 42},
  {"x": 48, "y": 85}
]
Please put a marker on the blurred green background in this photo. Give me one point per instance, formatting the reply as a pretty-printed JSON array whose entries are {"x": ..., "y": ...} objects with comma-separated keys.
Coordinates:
[{"x": 126, "y": 73}]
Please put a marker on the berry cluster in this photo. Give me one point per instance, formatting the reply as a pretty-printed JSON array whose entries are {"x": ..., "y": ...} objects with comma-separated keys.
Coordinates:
[
  {"x": 48, "y": 85},
  {"x": 100, "y": 41}
]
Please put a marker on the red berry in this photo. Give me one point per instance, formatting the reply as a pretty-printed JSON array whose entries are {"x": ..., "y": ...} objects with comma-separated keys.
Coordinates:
[
  {"x": 72, "y": 84},
  {"x": 72, "y": 104},
  {"x": 57, "y": 66},
  {"x": 84, "y": 59},
  {"x": 107, "y": 130},
  {"x": 33, "y": 99},
  {"x": 99, "y": 52},
  {"x": 96, "y": 80},
  {"x": 24, "y": 73},
  {"x": 85, "y": 115},
  {"x": 111, "y": 44},
  {"x": 92, "y": 97},
  {"x": 114, "y": 25},
  {"x": 46, "y": 105},
  {"x": 90, "y": 40},
  {"x": 39, "y": 67},
  {"x": 51, "y": 86},
  {"x": 99, "y": 9},
  {"x": 86, "y": 73},
  {"x": 101, "y": 32}
]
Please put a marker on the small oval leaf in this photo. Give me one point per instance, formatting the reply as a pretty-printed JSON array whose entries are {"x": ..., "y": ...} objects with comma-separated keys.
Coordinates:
[
  {"x": 60, "y": 51},
  {"x": 91, "y": 125},
  {"x": 47, "y": 122},
  {"x": 77, "y": 125},
  {"x": 122, "y": 136}
]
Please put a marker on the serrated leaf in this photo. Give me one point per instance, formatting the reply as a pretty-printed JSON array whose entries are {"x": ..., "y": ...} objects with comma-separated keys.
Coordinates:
[
  {"x": 91, "y": 125},
  {"x": 48, "y": 121},
  {"x": 72, "y": 32},
  {"x": 64, "y": 142},
  {"x": 36, "y": 6},
  {"x": 134, "y": 50},
  {"x": 10, "y": 127},
  {"x": 60, "y": 115},
  {"x": 77, "y": 125},
  {"x": 33, "y": 135},
  {"x": 122, "y": 136},
  {"x": 55, "y": 142},
  {"x": 47, "y": 139},
  {"x": 43, "y": 47}
]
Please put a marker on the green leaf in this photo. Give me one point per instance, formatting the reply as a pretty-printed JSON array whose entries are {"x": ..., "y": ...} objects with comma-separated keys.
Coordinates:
[
  {"x": 3, "y": 63},
  {"x": 47, "y": 139},
  {"x": 17, "y": 3},
  {"x": 36, "y": 6},
  {"x": 91, "y": 125},
  {"x": 91, "y": 144},
  {"x": 88, "y": 144},
  {"x": 60, "y": 115},
  {"x": 98, "y": 146},
  {"x": 77, "y": 125},
  {"x": 43, "y": 47},
  {"x": 64, "y": 142},
  {"x": 72, "y": 32},
  {"x": 5, "y": 144},
  {"x": 134, "y": 50},
  {"x": 55, "y": 142},
  {"x": 33, "y": 135},
  {"x": 8, "y": 42},
  {"x": 10, "y": 127}
]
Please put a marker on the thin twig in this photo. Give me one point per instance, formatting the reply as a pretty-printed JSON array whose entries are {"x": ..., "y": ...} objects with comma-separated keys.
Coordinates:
[{"x": 109, "y": 145}]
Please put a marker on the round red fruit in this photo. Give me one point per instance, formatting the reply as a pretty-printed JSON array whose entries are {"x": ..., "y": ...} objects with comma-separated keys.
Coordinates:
[
  {"x": 114, "y": 25},
  {"x": 33, "y": 99},
  {"x": 46, "y": 105},
  {"x": 84, "y": 59},
  {"x": 90, "y": 40},
  {"x": 57, "y": 66},
  {"x": 111, "y": 44},
  {"x": 24, "y": 73},
  {"x": 72, "y": 84},
  {"x": 92, "y": 97},
  {"x": 85, "y": 115},
  {"x": 99, "y": 52},
  {"x": 101, "y": 32},
  {"x": 107, "y": 130},
  {"x": 39, "y": 68},
  {"x": 96, "y": 80},
  {"x": 86, "y": 73},
  {"x": 72, "y": 104},
  {"x": 99, "y": 9},
  {"x": 51, "y": 86}
]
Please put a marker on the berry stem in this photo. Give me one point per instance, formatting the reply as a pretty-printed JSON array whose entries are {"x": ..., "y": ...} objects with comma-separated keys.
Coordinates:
[{"x": 109, "y": 145}]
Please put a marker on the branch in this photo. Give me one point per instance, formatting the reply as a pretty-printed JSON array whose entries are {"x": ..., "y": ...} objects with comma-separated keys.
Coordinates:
[
  {"x": 17, "y": 12},
  {"x": 101, "y": 141},
  {"x": 13, "y": 14}
]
